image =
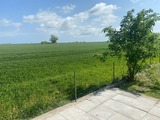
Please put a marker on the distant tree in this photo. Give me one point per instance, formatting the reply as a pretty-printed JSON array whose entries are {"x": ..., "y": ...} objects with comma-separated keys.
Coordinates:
[
  {"x": 53, "y": 39},
  {"x": 134, "y": 40},
  {"x": 45, "y": 42}
]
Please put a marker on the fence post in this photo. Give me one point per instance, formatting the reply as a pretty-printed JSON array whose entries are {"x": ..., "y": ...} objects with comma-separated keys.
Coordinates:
[
  {"x": 113, "y": 70},
  {"x": 159, "y": 57},
  {"x": 122, "y": 72},
  {"x": 75, "y": 87}
]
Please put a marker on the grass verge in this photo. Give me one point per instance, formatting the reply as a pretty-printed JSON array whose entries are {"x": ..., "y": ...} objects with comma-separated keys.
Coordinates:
[{"x": 146, "y": 82}]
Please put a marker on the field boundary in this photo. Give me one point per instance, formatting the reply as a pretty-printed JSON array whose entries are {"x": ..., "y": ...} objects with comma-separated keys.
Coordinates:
[{"x": 72, "y": 103}]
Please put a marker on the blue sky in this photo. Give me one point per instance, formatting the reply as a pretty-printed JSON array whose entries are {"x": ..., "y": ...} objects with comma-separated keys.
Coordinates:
[{"x": 33, "y": 21}]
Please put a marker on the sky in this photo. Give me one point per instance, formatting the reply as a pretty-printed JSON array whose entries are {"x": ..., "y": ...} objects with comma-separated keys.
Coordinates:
[{"x": 33, "y": 21}]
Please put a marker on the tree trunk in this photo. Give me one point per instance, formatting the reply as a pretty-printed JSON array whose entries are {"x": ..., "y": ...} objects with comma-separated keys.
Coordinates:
[{"x": 131, "y": 71}]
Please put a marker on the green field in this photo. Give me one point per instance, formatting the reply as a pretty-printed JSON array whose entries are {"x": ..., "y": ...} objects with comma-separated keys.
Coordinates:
[{"x": 36, "y": 78}]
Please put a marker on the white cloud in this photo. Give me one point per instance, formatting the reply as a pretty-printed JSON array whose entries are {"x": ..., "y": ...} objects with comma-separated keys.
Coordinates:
[
  {"x": 105, "y": 20},
  {"x": 87, "y": 30},
  {"x": 104, "y": 14},
  {"x": 8, "y": 23},
  {"x": 9, "y": 28},
  {"x": 68, "y": 8},
  {"x": 102, "y": 8},
  {"x": 89, "y": 22},
  {"x": 45, "y": 19}
]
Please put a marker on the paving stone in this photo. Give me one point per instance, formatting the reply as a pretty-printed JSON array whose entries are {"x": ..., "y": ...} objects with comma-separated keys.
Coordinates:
[
  {"x": 150, "y": 117},
  {"x": 56, "y": 117},
  {"x": 128, "y": 94},
  {"x": 158, "y": 104},
  {"x": 71, "y": 113},
  {"x": 98, "y": 99},
  {"x": 132, "y": 112},
  {"x": 141, "y": 104},
  {"x": 86, "y": 105},
  {"x": 117, "y": 90},
  {"x": 119, "y": 117},
  {"x": 114, "y": 105},
  {"x": 123, "y": 99},
  {"x": 155, "y": 111},
  {"x": 87, "y": 117},
  {"x": 102, "y": 112},
  {"x": 148, "y": 100},
  {"x": 108, "y": 94}
]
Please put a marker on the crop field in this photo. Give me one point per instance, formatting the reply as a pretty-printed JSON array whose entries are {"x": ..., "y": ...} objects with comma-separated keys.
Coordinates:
[{"x": 36, "y": 78}]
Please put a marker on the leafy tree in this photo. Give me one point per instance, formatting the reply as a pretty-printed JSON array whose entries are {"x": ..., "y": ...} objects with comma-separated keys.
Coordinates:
[
  {"x": 53, "y": 39},
  {"x": 134, "y": 39}
]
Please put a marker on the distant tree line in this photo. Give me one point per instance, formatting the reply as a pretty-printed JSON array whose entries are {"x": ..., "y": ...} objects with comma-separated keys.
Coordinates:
[{"x": 52, "y": 39}]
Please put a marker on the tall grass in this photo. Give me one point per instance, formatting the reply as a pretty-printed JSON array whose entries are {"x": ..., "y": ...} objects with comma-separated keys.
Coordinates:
[{"x": 36, "y": 78}]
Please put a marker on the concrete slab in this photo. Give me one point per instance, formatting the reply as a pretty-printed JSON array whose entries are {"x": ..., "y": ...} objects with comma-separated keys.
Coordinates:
[
  {"x": 141, "y": 104},
  {"x": 55, "y": 117},
  {"x": 150, "y": 117},
  {"x": 129, "y": 94},
  {"x": 114, "y": 105},
  {"x": 155, "y": 110},
  {"x": 101, "y": 112},
  {"x": 123, "y": 99},
  {"x": 87, "y": 117},
  {"x": 119, "y": 117},
  {"x": 158, "y": 104},
  {"x": 98, "y": 99},
  {"x": 71, "y": 113},
  {"x": 108, "y": 94},
  {"x": 86, "y": 105},
  {"x": 132, "y": 112},
  {"x": 116, "y": 90},
  {"x": 148, "y": 100}
]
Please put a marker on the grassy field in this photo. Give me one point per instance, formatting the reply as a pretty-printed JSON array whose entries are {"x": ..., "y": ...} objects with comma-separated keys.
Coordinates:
[{"x": 36, "y": 78}]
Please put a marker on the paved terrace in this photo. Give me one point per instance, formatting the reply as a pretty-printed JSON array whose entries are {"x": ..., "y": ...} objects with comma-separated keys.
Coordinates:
[{"x": 108, "y": 104}]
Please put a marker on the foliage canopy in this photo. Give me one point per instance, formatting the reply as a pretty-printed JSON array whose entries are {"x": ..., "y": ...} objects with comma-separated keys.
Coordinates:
[
  {"x": 53, "y": 39},
  {"x": 134, "y": 40}
]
